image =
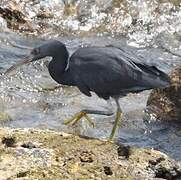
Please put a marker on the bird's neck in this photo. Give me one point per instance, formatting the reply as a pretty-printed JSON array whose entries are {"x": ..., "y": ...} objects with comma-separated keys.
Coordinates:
[{"x": 59, "y": 71}]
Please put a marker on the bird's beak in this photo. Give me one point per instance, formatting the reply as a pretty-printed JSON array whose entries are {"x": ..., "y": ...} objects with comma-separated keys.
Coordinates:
[{"x": 26, "y": 60}]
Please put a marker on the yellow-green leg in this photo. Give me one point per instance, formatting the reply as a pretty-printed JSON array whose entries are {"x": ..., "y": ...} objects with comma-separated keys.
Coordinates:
[
  {"x": 116, "y": 122},
  {"x": 84, "y": 113},
  {"x": 77, "y": 117}
]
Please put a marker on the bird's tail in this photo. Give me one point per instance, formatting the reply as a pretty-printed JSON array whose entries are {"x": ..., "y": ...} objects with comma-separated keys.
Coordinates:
[
  {"x": 165, "y": 78},
  {"x": 163, "y": 83},
  {"x": 161, "y": 79},
  {"x": 154, "y": 76}
]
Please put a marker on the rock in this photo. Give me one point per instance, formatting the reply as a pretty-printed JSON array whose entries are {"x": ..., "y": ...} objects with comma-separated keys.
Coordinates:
[
  {"x": 170, "y": 43},
  {"x": 107, "y": 170},
  {"x": 165, "y": 103},
  {"x": 105, "y": 5},
  {"x": 65, "y": 156},
  {"x": 8, "y": 141},
  {"x": 3, "y": 23},
  {"x": 93, "y": 16},
  {"x": 86, "y": 156},
  {"x": 28, "y": 145},
  {"x": 124, "y": 151},
  {"x": 14, "y": 18}
]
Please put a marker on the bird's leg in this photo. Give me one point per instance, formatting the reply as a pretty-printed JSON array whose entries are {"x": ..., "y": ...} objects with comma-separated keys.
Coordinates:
[
  {"x": 84, "y": 113},
  {"x": 118, "y": 118}
]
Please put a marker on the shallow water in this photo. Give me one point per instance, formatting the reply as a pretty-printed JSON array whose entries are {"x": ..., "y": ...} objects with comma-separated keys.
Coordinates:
[{"x": 33, "y": 99}]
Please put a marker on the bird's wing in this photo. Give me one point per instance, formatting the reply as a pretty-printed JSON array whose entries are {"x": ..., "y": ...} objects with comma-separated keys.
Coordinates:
[
  {"x": 109, "y": 71},
  {"x": 102, "y": 71},
  {"x": 140, "y": 63}
]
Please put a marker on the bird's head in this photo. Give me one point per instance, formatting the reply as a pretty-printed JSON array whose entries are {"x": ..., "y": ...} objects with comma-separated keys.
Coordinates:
[{"x": 52, "y": 48}]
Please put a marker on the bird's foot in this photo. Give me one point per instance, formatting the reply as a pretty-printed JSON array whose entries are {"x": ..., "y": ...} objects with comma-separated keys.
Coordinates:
[{"x": 77, "y": 117}]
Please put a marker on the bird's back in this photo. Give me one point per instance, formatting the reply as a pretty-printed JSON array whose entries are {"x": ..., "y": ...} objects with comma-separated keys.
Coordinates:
[{"x": 110, "y": 71}]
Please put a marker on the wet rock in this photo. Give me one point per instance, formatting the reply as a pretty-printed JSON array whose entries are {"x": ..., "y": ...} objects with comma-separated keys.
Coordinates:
[
  {"x": 163, "y": 170},
  {"x": 165, "y": 103},
  {"x": 86, "y": 156},
  {"x": 3, "y": 23},
  {"x": 9, "y": 141},
  {"x": 106, "y": 5},
  {"x": 170, "y": 43},
  {"x": 107, "y": 170},
  {"x": 124, "y": 151},
  {"x": 156, "y": 161},
  {"x": 84, "y": 11},
  {"x": 93, "y": 16},
  {"x": 22, "y": 174},
  {"x": 65, "y": 156},
  {"x": 12, "y": 15},
  {"x": 14, "y": 18},
  {"x": 28, "y": 145}
]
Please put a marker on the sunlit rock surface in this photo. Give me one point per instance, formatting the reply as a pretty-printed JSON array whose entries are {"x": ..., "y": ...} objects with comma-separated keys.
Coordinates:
[
  {"x": 165, "y": 104},
  {"x": 35, "y": 154}
]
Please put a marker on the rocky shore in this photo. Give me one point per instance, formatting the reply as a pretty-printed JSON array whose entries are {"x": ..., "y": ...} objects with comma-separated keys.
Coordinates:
[
  {"x": 165, "y": 103},
  {"x": 44, "y": 154},
  {"x": 103, "y": 17}
]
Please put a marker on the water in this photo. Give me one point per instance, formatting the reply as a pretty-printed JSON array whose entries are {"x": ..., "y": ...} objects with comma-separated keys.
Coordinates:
[{"x": 33, "y": 99}]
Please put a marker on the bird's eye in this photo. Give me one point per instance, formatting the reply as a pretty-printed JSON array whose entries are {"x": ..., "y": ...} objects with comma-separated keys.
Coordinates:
[{"x": 35, "y": 51}]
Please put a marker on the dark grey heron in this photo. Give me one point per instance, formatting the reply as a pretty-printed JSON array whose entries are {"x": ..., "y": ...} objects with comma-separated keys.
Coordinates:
[{"x": 109, "y": 71}]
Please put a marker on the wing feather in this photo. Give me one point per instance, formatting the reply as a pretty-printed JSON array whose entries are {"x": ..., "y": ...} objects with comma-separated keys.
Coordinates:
[{"x": 111, "y": 71}]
